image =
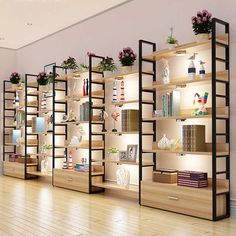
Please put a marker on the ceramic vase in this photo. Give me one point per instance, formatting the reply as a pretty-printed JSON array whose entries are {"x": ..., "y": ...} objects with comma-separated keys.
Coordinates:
[
  {"x": 164, "y": 143},
  {"x": 202, "y": 37},
  {"x": 107, "y": 73},
  {"x": 126, "y": 69}
]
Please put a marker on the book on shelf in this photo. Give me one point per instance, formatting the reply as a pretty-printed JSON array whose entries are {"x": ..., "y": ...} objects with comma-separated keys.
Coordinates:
[
  {"x": 193, "y": 138},
  {"x": 20, "y": 117},
  {"x": 81, "y": 167},
  {"x": 129, "y": 120},
  {"x": 171, "y": 103},
  {"x": 84, "y": 111}
]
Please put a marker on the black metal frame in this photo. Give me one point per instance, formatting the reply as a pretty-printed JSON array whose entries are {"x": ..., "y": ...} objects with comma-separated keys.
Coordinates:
[
  {"x": 141, "y": 103},
  {"x": 226, "y": 61},
  {"x": 91, "y": 82},
  {"x": 54, "y": 112},
  {"x": 214, "y": 58}
]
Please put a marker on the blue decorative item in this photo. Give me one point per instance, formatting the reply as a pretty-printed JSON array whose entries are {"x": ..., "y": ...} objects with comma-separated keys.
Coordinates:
[{"x": 40, "y": 124}]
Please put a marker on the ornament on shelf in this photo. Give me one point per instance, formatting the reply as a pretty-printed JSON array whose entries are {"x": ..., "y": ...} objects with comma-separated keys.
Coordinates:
[
  {"x": 50, "y": 123},
  {"x": 84, "y": 87},
  {"x": 164, "y": 71},
  {"x": 87, "y": 87},
  {"x": 70, "y": 163},
  {"x": 122, "y": 90},
  {"x": 44, "y": 165},
  {"x": 202, "y": 71},
  {"x": 71, "y": 117},
  {"x": 20, "y": 141},
  {"x": 114, "y": 92},
  {"x": 103, "y": 116},
  {"x": 199, "y": 103},
  {"x": 17, "y": 100},
  {"x": 65, "y": 161},
  {"x": 163, "y": 143},
  {"x": 123, "y": 177},
  {"x": 115, "y": 116},
  {"x": 83, "y": 161},
  {"x": 191, "y": 67},
  {"x": 43, "y": 105},
  {"x": 74, "y": 141}
]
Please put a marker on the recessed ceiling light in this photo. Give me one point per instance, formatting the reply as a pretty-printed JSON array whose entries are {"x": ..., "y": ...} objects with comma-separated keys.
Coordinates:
[
  {"x": 29, "y": 24},
  {"x": 2, "y": 38}
]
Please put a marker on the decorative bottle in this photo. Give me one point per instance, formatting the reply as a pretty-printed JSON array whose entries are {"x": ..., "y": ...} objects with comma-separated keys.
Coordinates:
[
  {"x": 70, "y": 162},
  {"x": 191, "y": 70},
  {"x": 202, "y": 71},
  {"x": 17, "y": 100},
  {"x": 122, "y": 90},
  {"x": 87, "y": 87},
  {"x": 114, "y": 95},
  {"x": 84, "y": 88},
  {"x": 65, "y": 161}
]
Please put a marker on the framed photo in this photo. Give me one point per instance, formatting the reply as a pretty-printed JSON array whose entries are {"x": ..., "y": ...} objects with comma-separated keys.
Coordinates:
[
  {"x": 132, "y": 150},
  {"x": 49, "y": 68},
  {"x": 123, "y": 156}
]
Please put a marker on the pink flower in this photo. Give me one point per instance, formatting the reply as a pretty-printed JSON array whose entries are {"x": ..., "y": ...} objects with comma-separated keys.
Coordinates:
[
  {"x": 193, "y": 18},
  {"x": 199, "y": 13},
  {"x": 204, "y": 19},
  {"x": 199, "y": 21},
  {"x": 209, "y": 14},
  {"x": 193, "y": 21},
  {"x": 204, "y": 11}
]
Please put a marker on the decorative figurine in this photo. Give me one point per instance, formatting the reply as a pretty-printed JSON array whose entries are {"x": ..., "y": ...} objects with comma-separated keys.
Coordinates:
[
  {"x": 103, "y": 116},
  {"x": 17, "y": 100},
  {"x": 70, "y": 166},
  {"x": 164, "y": 71},
  {"x": 44, "y": 165},
  {"x": 114, "y": 95},
  {"x": 84, "y": 160},
  {"x": 122, "y": 90},
  {"x": 123, "y": 177},
  {"x": 87, "y": 87},
  {"x": 72, "y": 116},
  {"x": 202, "y": 71},
  {"x": 84, "y": 88},
  {"x": 115, "y": 116},
  {"x": 191, "y": 67},
  {"x": 200, "y": 102},
  {"x": 65, "y": 161}
]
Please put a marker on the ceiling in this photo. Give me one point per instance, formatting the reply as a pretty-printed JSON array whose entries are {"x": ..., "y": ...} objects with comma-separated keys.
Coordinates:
[{"x": 25, "y": 21}]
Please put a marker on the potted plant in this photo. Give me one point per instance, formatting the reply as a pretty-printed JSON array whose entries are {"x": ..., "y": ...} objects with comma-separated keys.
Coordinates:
[
  {"x": 42, "y": 80},
  {"x": 171, "y": 41},
  {"x": 15, "y": 79},
  {"x": 113, "y": 153},
  {"x": 70, "y": 64},
  {"x": 107, "y": 66},
  {"x": 127, "y": 58},
  {"x": 202, "y": 25}
]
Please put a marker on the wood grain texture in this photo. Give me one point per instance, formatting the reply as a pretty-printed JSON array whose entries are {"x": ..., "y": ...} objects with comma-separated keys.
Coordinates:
[{"x": 34, "y": 208}]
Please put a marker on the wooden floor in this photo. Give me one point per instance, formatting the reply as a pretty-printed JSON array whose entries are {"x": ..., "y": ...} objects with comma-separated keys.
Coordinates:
[{"x": 35, "y": 208}]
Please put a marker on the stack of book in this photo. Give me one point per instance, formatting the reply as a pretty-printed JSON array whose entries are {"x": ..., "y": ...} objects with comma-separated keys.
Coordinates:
[
  {"x": 192, "y": 179},
  {"x": 193, "y": 138},
  {"x": 84, "y": 111},
  {"x": 129, "y": 121},
  {"x": 171, "y": 104},
  {"x": 81, "y": 167}
]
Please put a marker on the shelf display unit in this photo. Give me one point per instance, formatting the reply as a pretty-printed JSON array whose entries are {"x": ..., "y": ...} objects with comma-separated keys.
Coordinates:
[
  {"x": 13, "y": 129},
  {"x": 38, "y": 131},
  {"x": 212, "y": 202},
  {"x": 72, "y": 141}
]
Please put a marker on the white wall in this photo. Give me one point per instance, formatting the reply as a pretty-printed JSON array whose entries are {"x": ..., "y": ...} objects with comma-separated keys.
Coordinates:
[
  {"x": 7, "y": 65},
  {"x": 125, "y": 25}
]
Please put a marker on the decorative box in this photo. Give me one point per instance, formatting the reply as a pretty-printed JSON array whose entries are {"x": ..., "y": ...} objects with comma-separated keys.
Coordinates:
[
  {"x": 13, "y": 157},
  {"x": 165, "y": 176}
]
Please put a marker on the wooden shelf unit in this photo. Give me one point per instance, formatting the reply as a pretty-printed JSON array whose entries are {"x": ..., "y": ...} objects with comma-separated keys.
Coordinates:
[{"x": 213, "y": 202}]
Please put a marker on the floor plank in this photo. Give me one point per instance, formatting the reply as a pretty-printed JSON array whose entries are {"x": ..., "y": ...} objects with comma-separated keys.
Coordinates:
[{"x": 35, "y": 208}]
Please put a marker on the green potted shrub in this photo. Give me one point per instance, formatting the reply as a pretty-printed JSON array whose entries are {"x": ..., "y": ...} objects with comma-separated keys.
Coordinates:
[
  {"x": 127, "y": 58},
  {"x": 70, "y": 64},
  {"x": 107, "y": 66},
  {"x": 171, "y": 41},
  {"x": 15, "y": 80},
  {"x": 113, "y": 153}
]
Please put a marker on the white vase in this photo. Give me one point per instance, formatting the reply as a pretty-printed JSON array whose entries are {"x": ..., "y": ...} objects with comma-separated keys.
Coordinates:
[
  {"x": 164, "y": 143},
  {"x": 126, "y": 69},
  {"x": 107, "y": 73},
  {"x": 43, "y": 88},
  {"x": 202, "y": 37},
  {"x": 114, "y": 156},
  {"x": 171, "y": 46},
  {"x": 123, "y": 177},
  {"x": 14, "y": 86}
]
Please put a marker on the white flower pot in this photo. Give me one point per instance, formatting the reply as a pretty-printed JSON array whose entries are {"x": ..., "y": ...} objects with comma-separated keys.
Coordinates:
[
  {"x": 107, "y": 73},
  {"x": 14, "y": 86},
  {"x": 171, "y": 46},
  {"x": 114, "y": 156},
  {"x": 202, "y": 37},
  {"x": 126, "y": 69},
  {"x": 43, "y": 88}
]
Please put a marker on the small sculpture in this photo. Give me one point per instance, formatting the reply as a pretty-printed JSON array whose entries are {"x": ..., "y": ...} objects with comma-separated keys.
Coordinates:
[
  {"x": 72, "y": 116},
  {"x": 163, "y": 143},
  {"x": 84, "y": 160},
  {"x": 123, "y": 177},
  {"x": 202, "y": 71},
  {"x": 164, "y": 71},
  {"x": 44, "y": 165},
  {"x": 114, "y": 95},
  {"x": 103, "y": 116},
  {"x": 191, "y": 67},
  {"x": 122, "y": 90},
  {"x": 115, "y": 116},
  {"x": 200, "y": 104}
]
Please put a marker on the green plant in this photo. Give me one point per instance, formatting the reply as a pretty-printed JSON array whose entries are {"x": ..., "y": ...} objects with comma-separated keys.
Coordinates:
[
  {"x": 107, "y": 64},
  {"x": 83, "y": 66},
  {"x": 70, "y": 63},
  {"x": 42, "y": 78},
  {"x": 171, "y": 39},
  {"x": 113, "y": 150},
  {"x": 51, "y": 77},
  {"x": 47, "y": 146},
  {"x": 15, "y": 78}
]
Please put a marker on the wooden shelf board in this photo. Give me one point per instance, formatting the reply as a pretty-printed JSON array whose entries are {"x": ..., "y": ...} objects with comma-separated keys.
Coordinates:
[
  {"x": 72, "y": 76},
  {"x": 79, "y": 147},
  {"x": 38, "y": 173},
  {"x": 115, "y": 186},
  {"x": 123, "y": 162},
  {"x": 207, "y": 153},
  {"x": 117, "y": 133},
  {"x": 19, "y": 163},
  {"x": 220, "y": 75},
  {"x": 219, "y": 188},
  {"x": 80, "y": 122},
  {"x": 189, "y": 47}
]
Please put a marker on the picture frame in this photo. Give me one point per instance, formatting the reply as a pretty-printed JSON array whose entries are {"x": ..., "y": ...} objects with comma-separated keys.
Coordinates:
[
  {"x": 132, "y": 150},
  {"x": 123, "y": 155},
  {"x": 49, "y": 68}
]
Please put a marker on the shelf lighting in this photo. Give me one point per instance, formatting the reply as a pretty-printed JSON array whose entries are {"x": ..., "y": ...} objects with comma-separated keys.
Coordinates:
[{"x": 180, "y": 53}]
